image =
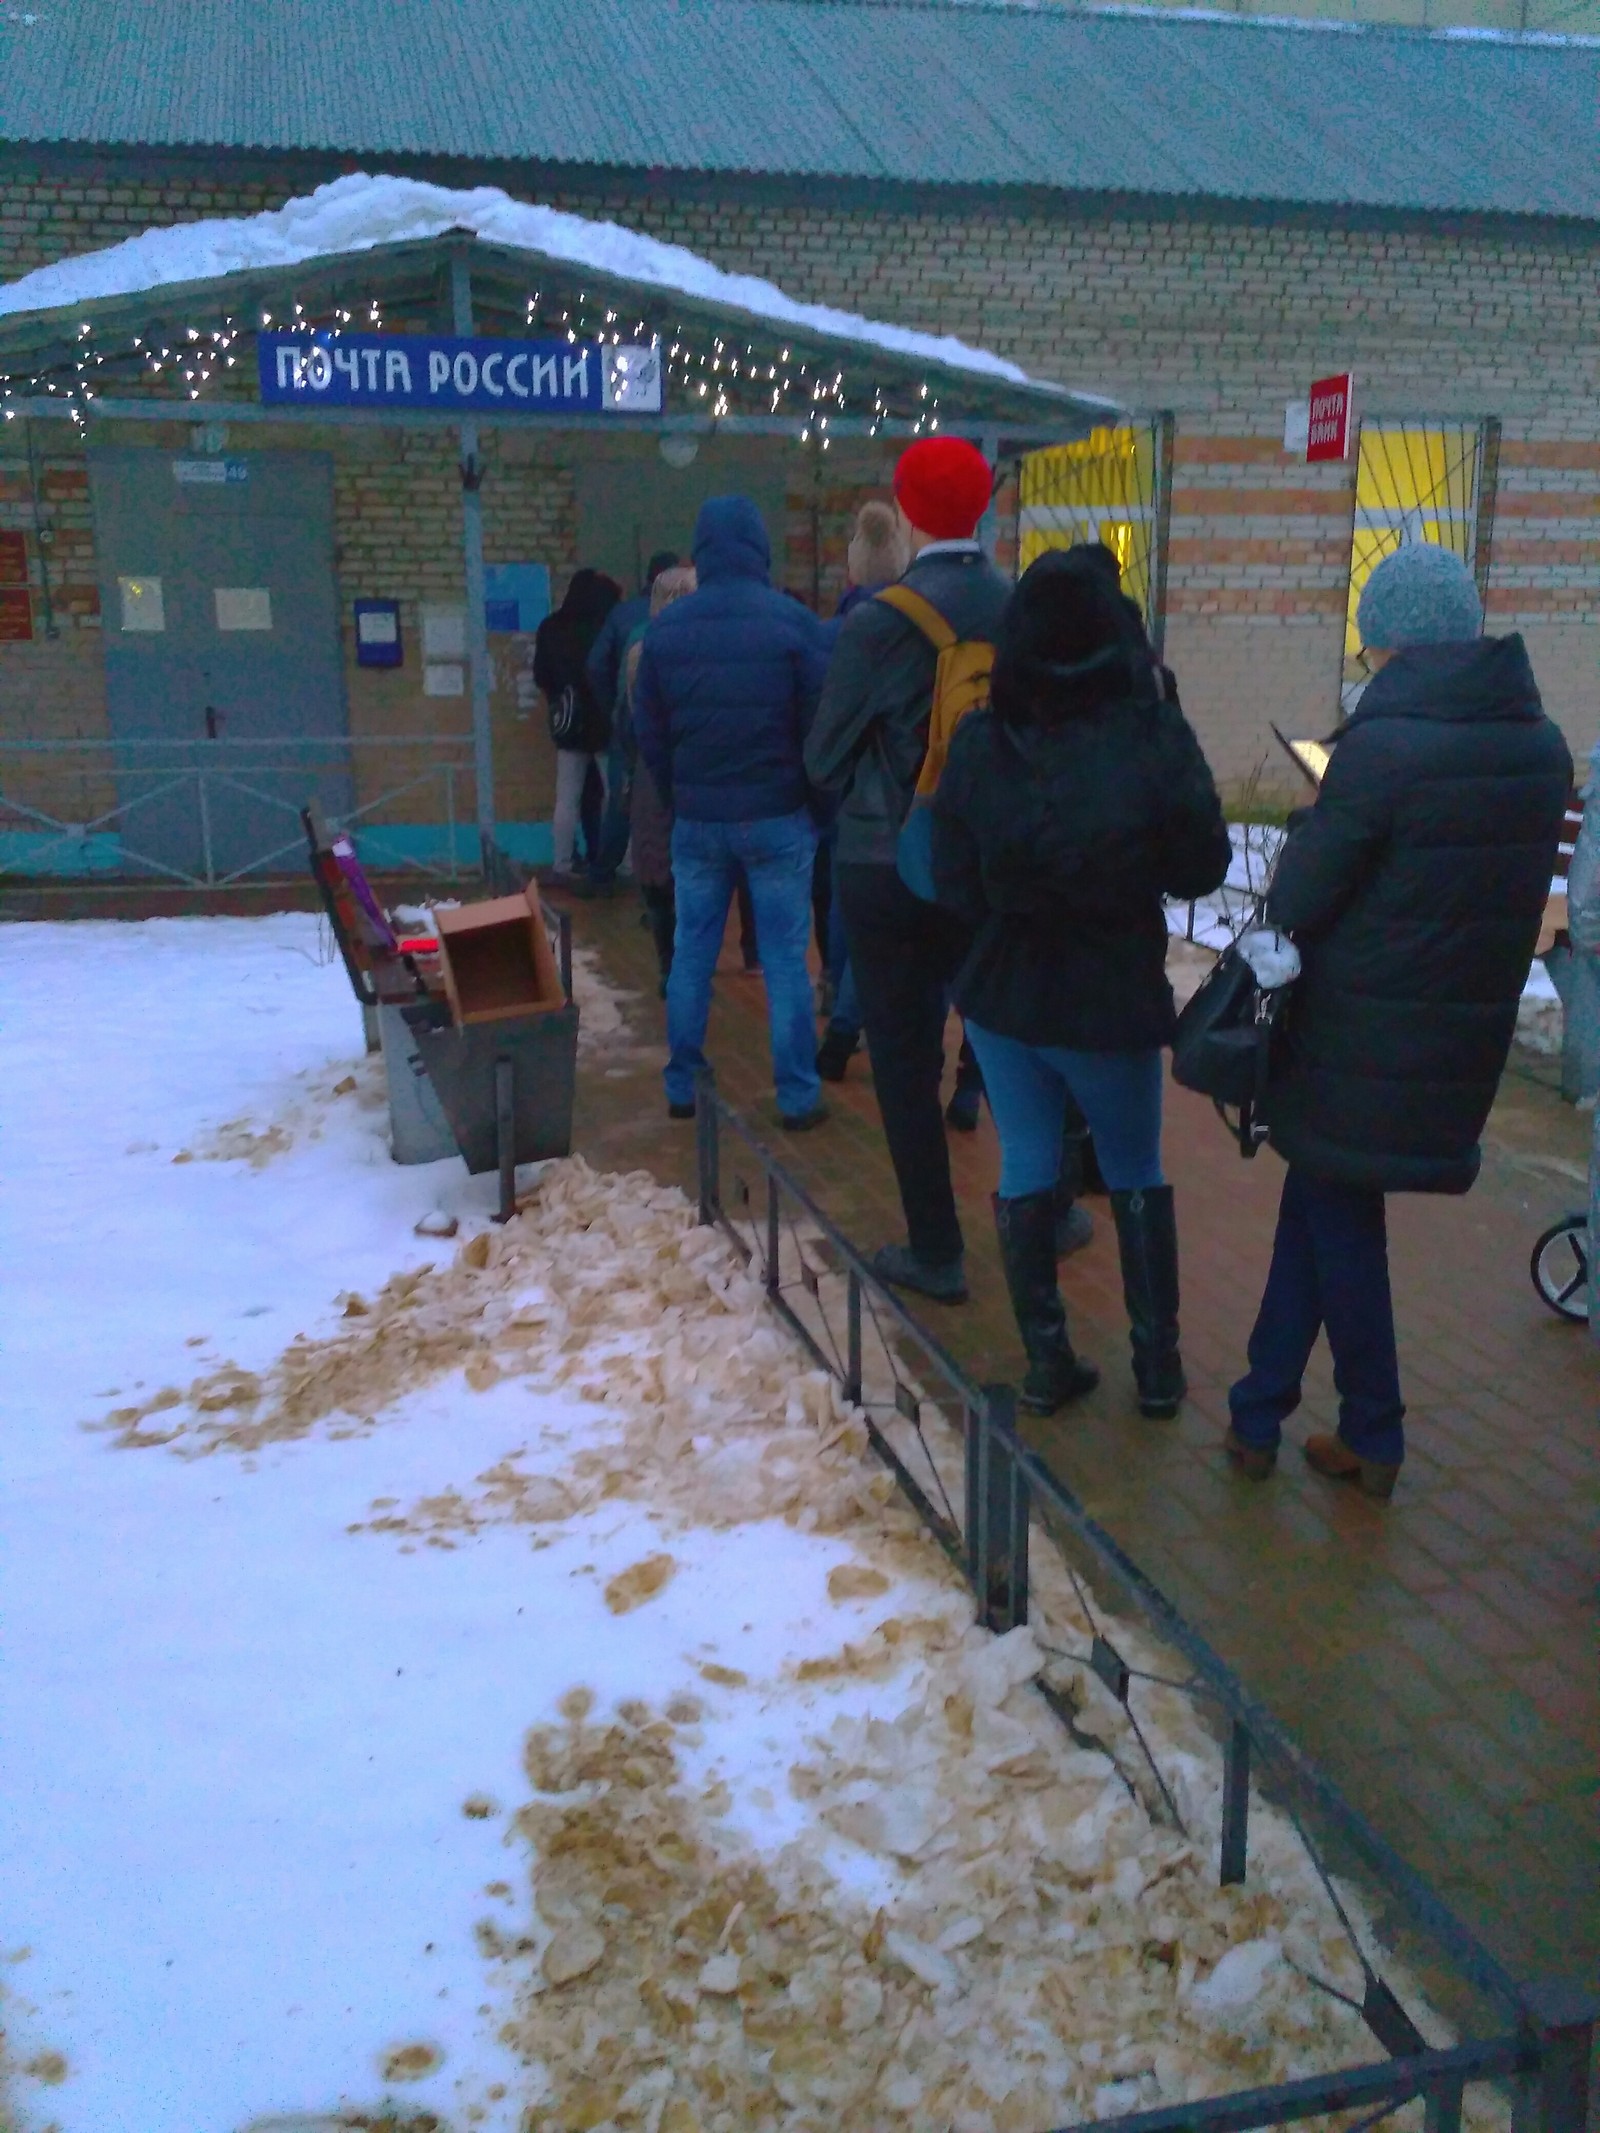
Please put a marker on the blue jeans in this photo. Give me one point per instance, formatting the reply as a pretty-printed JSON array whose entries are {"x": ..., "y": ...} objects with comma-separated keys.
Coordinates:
[
  {"x": 1330, "y": 1268},
  {"x": 776, "y": 855},
  {"x": 615, "y": 827},
  {"x": 1119, "y": 1093}
]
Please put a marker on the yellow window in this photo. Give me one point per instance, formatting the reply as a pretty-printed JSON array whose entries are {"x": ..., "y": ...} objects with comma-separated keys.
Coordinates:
[
  {"x": 1414, "y": 482},
  {"x": 1102, "y": 488}
]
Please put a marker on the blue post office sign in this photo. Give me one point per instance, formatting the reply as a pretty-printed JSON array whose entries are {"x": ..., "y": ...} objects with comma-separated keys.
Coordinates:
[{"x": 452, "y": 374}]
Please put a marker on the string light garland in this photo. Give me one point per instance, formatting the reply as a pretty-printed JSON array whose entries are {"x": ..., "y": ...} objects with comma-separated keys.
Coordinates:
[{"x": 716, "y": 374}]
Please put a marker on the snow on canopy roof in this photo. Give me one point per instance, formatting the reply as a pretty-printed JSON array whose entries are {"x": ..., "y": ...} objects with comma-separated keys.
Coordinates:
[{"x": 358, "y": 212}]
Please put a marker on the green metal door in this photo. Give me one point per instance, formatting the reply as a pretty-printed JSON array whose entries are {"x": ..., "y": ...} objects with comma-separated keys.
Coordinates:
[{"x": 224, "y": 681}]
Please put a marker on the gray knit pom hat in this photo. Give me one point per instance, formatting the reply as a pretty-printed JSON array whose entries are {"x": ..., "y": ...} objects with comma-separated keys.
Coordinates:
[{"x": 1421, "y": 594}]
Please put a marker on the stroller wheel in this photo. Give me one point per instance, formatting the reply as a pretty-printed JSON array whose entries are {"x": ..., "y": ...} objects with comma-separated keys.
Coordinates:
[{"x": 1560, "y": 1267}]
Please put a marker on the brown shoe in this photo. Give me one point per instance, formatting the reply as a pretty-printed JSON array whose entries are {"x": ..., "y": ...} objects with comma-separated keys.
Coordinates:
[
  {"x": 1254, "y": 1460},
  {"x": 1332, "y": 1457}
]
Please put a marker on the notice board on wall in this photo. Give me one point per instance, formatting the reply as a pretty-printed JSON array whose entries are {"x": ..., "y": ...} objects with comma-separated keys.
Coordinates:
[
  {"x": 13, "y": 559},
  {"x": 16, "y": 615}
]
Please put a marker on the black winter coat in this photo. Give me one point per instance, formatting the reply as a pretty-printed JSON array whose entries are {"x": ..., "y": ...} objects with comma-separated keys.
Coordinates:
[
  {"x": 1415, "y": 888},
  {"x": 871, "y": 730},
  {"x": 1056, "y": 844}
]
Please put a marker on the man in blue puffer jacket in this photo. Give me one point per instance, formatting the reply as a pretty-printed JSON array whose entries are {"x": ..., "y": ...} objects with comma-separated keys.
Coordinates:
[{"x": 728, "y": 680}]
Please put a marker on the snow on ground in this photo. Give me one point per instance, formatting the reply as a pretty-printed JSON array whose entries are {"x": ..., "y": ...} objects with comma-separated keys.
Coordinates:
[
  {"x": 355, "y": 212},
  {"x": 454, "y": 1678},
  {"x": 1216, "y": 921}
]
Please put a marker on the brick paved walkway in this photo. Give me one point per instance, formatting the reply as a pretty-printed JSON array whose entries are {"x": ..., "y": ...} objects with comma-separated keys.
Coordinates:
[{"x": 1437, "y": 1655}]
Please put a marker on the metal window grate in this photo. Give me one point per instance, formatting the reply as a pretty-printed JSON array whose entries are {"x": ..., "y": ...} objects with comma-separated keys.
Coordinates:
[
  {"x": 1102, "y": 489},
  {"x": 1414, "y": 482}
]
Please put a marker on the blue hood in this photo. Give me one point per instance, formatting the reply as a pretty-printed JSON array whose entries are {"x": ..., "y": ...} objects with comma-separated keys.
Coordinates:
[{"x": 730, "y": 541}]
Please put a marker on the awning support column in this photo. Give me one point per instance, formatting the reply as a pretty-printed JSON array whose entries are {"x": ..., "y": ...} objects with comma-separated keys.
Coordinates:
[{"x": 472, "y": 553}]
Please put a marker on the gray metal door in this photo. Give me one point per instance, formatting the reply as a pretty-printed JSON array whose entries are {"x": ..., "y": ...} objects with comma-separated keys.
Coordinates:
[{"x": 224, "y": 679}]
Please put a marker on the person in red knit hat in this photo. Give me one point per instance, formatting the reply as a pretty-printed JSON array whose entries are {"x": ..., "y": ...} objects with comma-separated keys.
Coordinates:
[
  {"x": 865, "y": 750},
  {"x": 943, "y": 486}
]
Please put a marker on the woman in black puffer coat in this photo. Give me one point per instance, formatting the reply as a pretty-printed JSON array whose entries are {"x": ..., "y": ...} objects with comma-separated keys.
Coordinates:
[
  {"x": 1065, "y": 814},
  {"x": 1414, "y": 890}
]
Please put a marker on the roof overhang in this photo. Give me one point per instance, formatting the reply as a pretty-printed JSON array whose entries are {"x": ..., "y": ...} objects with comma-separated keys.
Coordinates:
[{"x": 81, "y": 357}]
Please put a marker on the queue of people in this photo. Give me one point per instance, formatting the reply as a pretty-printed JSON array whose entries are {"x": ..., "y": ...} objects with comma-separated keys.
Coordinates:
[{"x": 978, "y": 796}]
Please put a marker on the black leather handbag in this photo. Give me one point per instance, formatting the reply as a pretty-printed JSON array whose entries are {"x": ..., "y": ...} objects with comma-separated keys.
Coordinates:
[{"x": 1223, "y": 1046}]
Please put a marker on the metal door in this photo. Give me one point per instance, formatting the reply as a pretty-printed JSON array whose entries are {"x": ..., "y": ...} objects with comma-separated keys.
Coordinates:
[{"x": 224, "y": 679}]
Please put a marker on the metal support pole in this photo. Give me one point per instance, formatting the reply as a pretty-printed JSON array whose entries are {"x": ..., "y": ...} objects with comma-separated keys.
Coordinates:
[
  {"x": 472, "y": 552},
  {"x": 1554, "y": 2096},
  {"x": 1441, "y": 2108},
  {"x": 708, "y": 1154},
  {"x": 774, "y": 1234},
  {"x": 1166, "y": 432},
  {"x": 1235, "y": 1804},
  {"x": 852, "y": 1315},
  {"x": 989, "y": 524},
  {"x": 1002, "y": 1519},
  {"x": 505, "y": 1126},
  {"x": 975, "y": 1430},
  {"x": 204, "y": 795}
]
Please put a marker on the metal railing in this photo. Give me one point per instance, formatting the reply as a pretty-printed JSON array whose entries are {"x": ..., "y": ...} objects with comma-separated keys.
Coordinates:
[
  {"x": 905, "y": 1383},
  {"x": 212, "y": 814}
]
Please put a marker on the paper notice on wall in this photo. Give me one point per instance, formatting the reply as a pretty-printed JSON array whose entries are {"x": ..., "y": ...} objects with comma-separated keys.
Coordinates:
[
  {"x": 444, "y": 678},
  {"x": 243, "y": 607},
  {"x": 142, "y": 605},
  {"x": 444, "y": 633}
]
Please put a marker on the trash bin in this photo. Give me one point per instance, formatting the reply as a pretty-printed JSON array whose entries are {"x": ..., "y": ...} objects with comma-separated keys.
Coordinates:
[
  {"x": 419, "y": 1132},
  {"x": 461, "y": 1063}
]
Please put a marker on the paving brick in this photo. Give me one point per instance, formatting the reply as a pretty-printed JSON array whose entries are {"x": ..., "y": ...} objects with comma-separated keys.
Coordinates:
[{"x": 1435, "y": 1654}]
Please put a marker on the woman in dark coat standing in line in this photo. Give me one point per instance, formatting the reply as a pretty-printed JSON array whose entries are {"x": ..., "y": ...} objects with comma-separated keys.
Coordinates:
[
  {"x": 1414, "y": 890},
  {"x": 1066, "y": 812},
  {"x": 561, "y": 649}
]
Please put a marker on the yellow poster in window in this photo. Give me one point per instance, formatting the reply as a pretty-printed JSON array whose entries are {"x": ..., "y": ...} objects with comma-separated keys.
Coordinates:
[{"x": 1102, "y": 488}]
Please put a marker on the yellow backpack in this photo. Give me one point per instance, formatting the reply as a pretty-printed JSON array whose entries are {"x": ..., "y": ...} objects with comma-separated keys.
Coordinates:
[{"x": 960, "y": 684}]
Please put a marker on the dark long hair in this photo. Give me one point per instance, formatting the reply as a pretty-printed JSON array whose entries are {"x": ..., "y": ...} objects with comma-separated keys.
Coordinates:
[
  {"x": 566, "y": 638},
  {"x": 1069, "y": 641}
]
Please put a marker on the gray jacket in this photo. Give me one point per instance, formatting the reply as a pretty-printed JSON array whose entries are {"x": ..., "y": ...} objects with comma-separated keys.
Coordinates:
[{"x": 870, "y": 733}]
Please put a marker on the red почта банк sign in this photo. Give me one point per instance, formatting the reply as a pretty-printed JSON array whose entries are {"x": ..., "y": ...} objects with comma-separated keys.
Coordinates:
[{"x": 1331, "y": 404}]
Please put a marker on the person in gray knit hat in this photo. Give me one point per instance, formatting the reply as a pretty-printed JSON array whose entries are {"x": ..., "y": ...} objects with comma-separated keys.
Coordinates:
[
  {"x": 1419, "y": 595},
  {"x": 1414, "y": 890}
]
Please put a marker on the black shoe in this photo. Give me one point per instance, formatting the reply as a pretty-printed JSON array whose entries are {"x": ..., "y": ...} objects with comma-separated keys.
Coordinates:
[
  {"x": 1055, "y": 1376},
  {"x": 1074, "y": 1226},
  {"x": 680, "y": 1111},
  {"x": 941, "y": 1280},
  {"x": 1147, "y": 1236},
  {"x": 804, "y": 1121},
  {"x": 961, "y": 1112},
  {"x": 835, "y": 1052}
]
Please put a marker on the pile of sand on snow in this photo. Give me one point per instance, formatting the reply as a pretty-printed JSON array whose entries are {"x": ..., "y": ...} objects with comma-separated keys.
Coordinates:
[{"x": 1053, "y": 1948}]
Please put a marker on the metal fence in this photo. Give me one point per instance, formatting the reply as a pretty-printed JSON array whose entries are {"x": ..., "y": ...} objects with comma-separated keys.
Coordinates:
[
  {"x": 954, "y": 1448},
  {"x": 217, "y": 813}
]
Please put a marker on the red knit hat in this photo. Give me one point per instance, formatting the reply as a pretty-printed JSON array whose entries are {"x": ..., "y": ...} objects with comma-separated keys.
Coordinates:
[{"x": 943, "y": 485}]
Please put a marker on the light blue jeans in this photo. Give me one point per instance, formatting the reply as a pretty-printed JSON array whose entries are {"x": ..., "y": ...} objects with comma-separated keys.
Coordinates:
[
  {"x": 1119, "y": 1093},
  {"x": 776, "y": 855}
]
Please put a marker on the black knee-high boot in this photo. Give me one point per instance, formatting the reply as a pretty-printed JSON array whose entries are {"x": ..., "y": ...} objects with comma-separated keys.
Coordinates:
[
  {"x": 1147, "y": 1235},
  {"x": 1027, "y": 1228}
]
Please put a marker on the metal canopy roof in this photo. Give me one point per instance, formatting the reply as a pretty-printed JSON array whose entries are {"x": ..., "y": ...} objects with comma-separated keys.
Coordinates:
[
  {"x": 412, "y": 280},
  {"x": 917, "y": 91}
]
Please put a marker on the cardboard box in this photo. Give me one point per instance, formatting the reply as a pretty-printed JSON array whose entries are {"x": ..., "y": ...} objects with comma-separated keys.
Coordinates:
[{"x": 496, "y": 960}]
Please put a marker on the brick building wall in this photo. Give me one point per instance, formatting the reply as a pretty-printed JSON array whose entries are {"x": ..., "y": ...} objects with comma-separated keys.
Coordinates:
[{"x": 1218, "y": 316}]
